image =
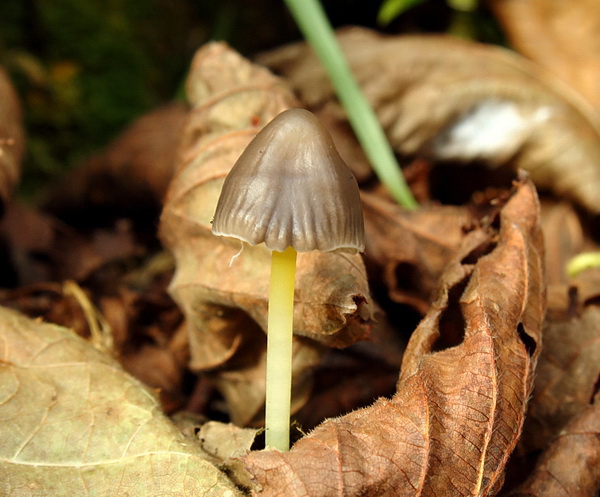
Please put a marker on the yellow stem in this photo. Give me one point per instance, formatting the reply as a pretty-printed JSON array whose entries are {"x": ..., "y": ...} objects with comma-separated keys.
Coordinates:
[{"x": 279, "y": 349}]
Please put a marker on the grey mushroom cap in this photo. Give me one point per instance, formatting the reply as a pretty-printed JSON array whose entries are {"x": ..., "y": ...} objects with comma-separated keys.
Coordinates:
[{"x": 290, "y": 187}]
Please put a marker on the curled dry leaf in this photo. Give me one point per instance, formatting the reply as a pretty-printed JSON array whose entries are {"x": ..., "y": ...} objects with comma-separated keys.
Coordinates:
[
  {"x": 461, "y": 398},
  {"x": 353, "y": 377},
  {"x": 570, "y": 467},
  {"x": 12, "y": 137},
  {"x": 569, "y": 367},
  {"x": 221, "y": 285},
  {"x": 561, "y": 36},
  {"x": 410, "y": 249},
  {"x": 74, "y": 423},
  {"x": 450, "y": 100}
]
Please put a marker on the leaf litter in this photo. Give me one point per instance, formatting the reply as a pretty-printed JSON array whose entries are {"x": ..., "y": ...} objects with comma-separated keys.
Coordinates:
[
  {"x": 463, "y": 389},
  {"x": 453, "y": 101},
  {"x": 450, "y": 297}
]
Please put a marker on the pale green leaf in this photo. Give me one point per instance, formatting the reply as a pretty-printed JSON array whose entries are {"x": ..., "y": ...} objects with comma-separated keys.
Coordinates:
[{"x": 73, "y": 423}]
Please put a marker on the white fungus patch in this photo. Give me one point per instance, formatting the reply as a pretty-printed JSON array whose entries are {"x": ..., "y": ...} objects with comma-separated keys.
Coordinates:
[{"x": 492, "y": 130}]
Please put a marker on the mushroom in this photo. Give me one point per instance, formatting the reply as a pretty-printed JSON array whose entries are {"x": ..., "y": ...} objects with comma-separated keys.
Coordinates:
[{"x": 291, "y": 190}]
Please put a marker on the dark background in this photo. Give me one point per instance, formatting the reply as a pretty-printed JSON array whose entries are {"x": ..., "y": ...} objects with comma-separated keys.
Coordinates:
[{"x": 84, "y": 69}]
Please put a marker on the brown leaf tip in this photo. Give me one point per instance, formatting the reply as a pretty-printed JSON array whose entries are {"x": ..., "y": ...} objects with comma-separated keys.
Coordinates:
[{"x": 290, "y": 187}]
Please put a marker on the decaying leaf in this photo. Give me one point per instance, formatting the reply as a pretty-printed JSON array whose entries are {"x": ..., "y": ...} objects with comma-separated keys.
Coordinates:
[
  {"x": 221, "y": 285},
  {"x": 225, "y": 440},
  {"x": 451, "y": 100},
  {"x": 355, "y": 376},
  {"x": 48, "y": 302},
  {"x": 561, "y": 36},
  {"x": 12, "y": 137},
  {"x": 465, "y": 380},
  {"x": 74, "y": 423},
  {"x": 570, "y": 467},
  {"x": 134, "y": 320},
  {"x": 563, "y": 239},
  {"x": 42, "y": 248},
  {"x": 410, "y": 249},
  {"x": 242, "y": 382},
  {"x": 569, "y": 367}
]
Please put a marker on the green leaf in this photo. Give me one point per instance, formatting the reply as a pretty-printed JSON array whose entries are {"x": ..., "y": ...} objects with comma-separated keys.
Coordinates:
[{"x": 391, "y": 9}]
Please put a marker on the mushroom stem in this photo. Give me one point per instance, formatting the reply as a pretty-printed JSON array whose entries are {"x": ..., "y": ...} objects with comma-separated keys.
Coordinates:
[{"x": 279, "y": 349}]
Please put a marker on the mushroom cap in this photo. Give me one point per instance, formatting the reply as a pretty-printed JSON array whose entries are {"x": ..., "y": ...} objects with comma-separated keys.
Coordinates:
[{"x": 290, "y": 187}]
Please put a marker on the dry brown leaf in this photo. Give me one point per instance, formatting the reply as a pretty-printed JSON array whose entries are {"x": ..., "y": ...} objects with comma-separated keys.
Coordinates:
[
  {"x": 42, "y": 248},
  {"x": 133, "y": 171},
  {"x": 141, "y": 326},
  {"x": 12, "y": 138},
  {"x": 561, "y": 36},
  {"x": 145, "y": 153},
  {"x": 563, "y": 239},
  {"x": 462, "y": 394},
  {"x": 221, "y": 286},
  {"x": 242, "y": 382},
  {"x": 158, "y": 368},
  {"x": 410, "y": 249},
  {"x": 570, "y": 467},
  {"x": 220, "y": 441},
  {"x": 48, "y": 302},
  {"x": 451, "y": 100},
  {"x": 569, "y": 367},
  {"x": 225, "y": 440},
  {"x": 347, "y": 379}
]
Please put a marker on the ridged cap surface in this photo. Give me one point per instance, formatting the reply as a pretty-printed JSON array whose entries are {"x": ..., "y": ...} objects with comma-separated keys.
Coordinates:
[{"x": 290, "y": 187}]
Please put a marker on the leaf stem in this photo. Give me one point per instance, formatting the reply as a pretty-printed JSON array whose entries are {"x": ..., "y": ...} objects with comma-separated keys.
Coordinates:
[
  {"x": 315, "y": 27},
  {"x": 279, "y": 349}
]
